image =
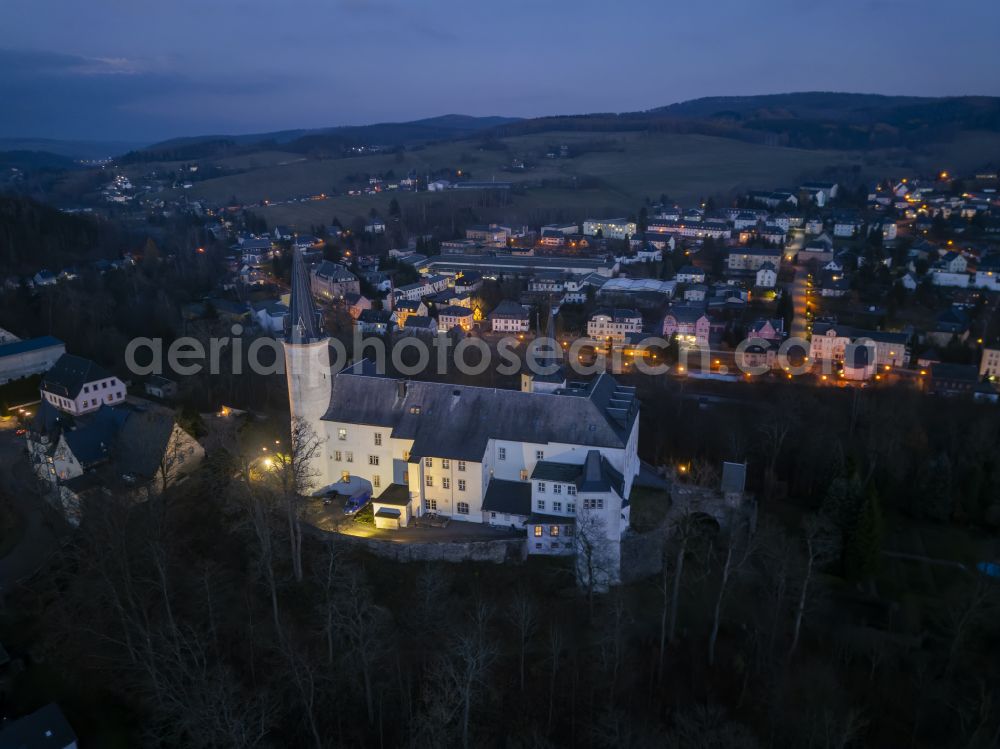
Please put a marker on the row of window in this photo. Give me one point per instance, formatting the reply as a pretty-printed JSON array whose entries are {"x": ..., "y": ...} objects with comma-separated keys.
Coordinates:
[
  {"x": 553, "y": 530},
  {"x": 557, "y": 506},
  {"x": 445, "y": 463},
  {"x": 462, "y": 508},
  {"x": 103, "y": 386},
  {"x": 502, "y": 454},
  {"x": 445, "y": 483},
  {"x": 557, "y": 488},
  {"x": 97, "y": 401}
]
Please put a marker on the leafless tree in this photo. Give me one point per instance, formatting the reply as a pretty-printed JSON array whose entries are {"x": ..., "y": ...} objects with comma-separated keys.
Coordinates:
[
  {"x": 523, "y": 616},
  {"x": 295, "y": 471},
  {"x": 738, "y": 548},
  {"x": 821, "y": 548},
  {"x": 596, "y": 554}
]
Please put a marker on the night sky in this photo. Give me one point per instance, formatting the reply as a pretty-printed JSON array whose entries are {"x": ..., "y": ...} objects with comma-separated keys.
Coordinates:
[{"x": 140, "y": 70}]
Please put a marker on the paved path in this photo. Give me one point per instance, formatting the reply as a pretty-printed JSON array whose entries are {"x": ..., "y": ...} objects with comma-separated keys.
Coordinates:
[{"x": 799, "y": 290}]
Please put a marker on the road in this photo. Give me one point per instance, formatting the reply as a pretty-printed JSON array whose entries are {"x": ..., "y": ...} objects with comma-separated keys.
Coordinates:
[{"x": 800, "y": 299}]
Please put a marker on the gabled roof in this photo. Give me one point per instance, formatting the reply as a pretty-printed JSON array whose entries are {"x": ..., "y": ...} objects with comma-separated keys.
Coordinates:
[
  {"x": 458, "y": 421},
  {"x": 68, "y": 376}
]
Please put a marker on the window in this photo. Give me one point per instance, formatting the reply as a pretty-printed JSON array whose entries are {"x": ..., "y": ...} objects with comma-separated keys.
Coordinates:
[
  {"x": 345, "y": 476},
  {"x": 569, "y": 532},
  {"x": 571, "y": 490},
  {"x": 86, "y": 388},
  {"x": 538, "y": 531},
  {"x": 104, "y": 385},
  {"x": 461, "y": 465},
  {"x": 461, "y": 485},
  {"x": 557, "y": 488},
  {"x": 493, "y": 516},
  {"x": 446, "y": 483},
  {"x": 373, "y": 460},
  {"x": 430, "y": 504},
  {"x": 541, "y": 487},
  {"x": 540, "y": 504},
  {"x": 553, "y": 530},
  {"x": 539, "y": 455},
  {"x": 557, "y": 507},
  {"x": 378, "y": 438},
  {"x": 376, "y": 481},
  {"x": 463, "y": 508},
  {"x": 349, "y": 456},
  {"x": 445, "y": 463},
  {"x": 570, "y": 507},
  {"x": 338, "y": 456},
  {"x": 428, "y": 481},
  {"x": 593, "y": 504},
  {"x": 342, "y": 434},
  {"x": 524, "y": 474},
  {"x": 501, "y": 453},
  {"x": 428, "y": 462}
]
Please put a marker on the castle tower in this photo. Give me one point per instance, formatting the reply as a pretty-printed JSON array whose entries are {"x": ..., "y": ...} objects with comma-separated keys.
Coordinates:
[{"x": 307, "y": 361}]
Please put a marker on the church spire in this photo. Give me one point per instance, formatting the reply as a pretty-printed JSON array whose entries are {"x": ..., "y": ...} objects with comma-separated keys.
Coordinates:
[{"x": 301, "y": 308}]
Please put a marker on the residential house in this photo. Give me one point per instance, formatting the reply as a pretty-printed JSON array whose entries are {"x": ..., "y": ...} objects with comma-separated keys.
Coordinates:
[
  {"x": 752, "y": 258},
  {"x": 509, "y": 317},
  {"x": 954, "y": 379},
  {"x": 375, "y": 225},
  {"x": 356, "y": 304},
  {"x": 331, "y": 281},
  {"x": 988, "y": 273},
  {"x": 951, "y": 324},
  {"x": 829, "y": 343},
  {"x": 989, "y": 366},
  {"x": 689, "y": 274},
  {"x": 79, "y": 386},
  {"x": 160, "y": 387},
  {"x": 847, "y": 226},
  {"x": 406, "y": 307},
  {"x": 374, "y": 322},
  {"x": 271, "y": 316},
  {"x": 689, "y": 323},
  {"x": 609, "y": 228},
  {"x": 455, "y": 316},
  {"x": 767, "y": 276},
  {"x": 419, "y": 325},
  {"x": 613, "y": 324}
]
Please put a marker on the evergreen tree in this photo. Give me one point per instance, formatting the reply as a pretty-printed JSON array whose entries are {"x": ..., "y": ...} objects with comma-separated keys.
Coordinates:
[{"x": 863, "y": 551}]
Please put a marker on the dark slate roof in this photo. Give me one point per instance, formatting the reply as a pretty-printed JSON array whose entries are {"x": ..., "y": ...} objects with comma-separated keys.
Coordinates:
[
  {"x": 594, "y": 475},
  {"x": 508, "y": 309},
  {"x": 93, "y": 440},
  {"x": 302, "y": 309},
  {"x": 46, "y": 727},
  {"x": 31, "y": 344},
  {"x": 68, "y": 376},
  {"x": 417, "y": 321},
  {"x": 395, "y": 494},
  {"x": 143, "y": 440},
  {"x": 457, "y": 421},
  {"x": 508, "y": 497}
]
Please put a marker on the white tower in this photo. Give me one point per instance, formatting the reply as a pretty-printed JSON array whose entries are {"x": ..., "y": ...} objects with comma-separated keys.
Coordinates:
[{"x": 307, "y": 364}]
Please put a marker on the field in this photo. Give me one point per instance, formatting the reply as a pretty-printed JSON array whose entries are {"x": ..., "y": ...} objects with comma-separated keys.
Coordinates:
[{"x": 613, "y": 173}]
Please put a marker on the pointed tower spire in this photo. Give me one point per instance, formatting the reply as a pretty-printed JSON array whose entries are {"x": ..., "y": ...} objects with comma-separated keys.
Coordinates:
[{"x": 301, "y": 308}]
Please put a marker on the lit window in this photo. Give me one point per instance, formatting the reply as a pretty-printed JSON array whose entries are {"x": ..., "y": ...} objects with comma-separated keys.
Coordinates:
[
  {"x": 342, "y": 434},
  {"x": 538, "y": 531},
  {"x": 553, "y": 530}
]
